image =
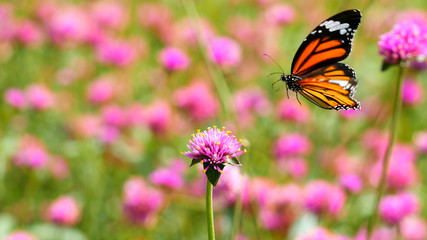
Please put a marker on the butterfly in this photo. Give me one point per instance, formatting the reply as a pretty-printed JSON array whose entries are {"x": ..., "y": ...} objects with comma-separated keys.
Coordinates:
[{"x": 316, "y": 72}]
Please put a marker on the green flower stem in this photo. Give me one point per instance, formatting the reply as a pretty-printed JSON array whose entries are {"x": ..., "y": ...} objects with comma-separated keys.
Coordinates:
[
  {"x": 386, "y": 160},
  {"x": 209, "y": 211}
]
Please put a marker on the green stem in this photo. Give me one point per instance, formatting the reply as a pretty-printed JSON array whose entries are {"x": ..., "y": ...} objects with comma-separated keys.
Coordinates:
[
  {"x": 236, "y": 215},
  {"x": 209, "y": 211},
  {"x": 386, "y": 160}
]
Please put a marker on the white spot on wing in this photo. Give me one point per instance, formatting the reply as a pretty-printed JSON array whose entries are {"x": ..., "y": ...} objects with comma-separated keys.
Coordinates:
[{"x": 342, "y": 83}]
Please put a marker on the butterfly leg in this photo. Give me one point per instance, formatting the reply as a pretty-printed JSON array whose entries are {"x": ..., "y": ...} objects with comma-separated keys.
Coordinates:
[
  {"x": 287, "y": 93},
  {"x": 297, "y": 98}
]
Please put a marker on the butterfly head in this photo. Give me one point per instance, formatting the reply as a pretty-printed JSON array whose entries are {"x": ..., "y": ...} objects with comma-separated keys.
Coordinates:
[{"x": 291, "y": 82}]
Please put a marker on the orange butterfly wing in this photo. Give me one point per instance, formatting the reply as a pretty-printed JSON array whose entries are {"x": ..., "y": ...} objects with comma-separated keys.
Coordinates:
[{"x": 331, "y": 87}]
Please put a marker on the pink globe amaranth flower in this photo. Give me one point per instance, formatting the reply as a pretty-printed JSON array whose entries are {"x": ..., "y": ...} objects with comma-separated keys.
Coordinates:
[
  {"x": 351, "y": 182},
  {"x": 114, "y": 116},
  {"x": 413, "y": 228},
  {"x": 224, "y": 51},
  {"x": 375, "y": 140},
  {"x": 141, "y": 203},
  {"x": 297, "y": 167},
  {"x": 7, "y": 22},
  {"x": 116, "y": 52},
  {"x": 213, "y": 147},
  {"x": 39, "y": 97},
  {"x": 173, "y": 59},
  {"x": 406, "y": 41},
  {"x": 198, "y": 100},
  {"x": 68, "y": 25},
  {"x": 249, "y": 102},
  {"x": 291, "y": 144},
  {"x": 394, "y": 208},
  {"x": 15, "y": 98},
  {"x": 109, "y": 14},
  {"x": 108, "y": 134},
  {"x": 64, "y": 211},
  {"x": 321, "y": 197},
  {"x": 29, "y": 34},
  {"x": 280, "y": 14},
  {"x": 291, "y": 110},
  {"x": 101, "y": 90},
  {"x": 402, "y": 171},
  {"x": 412, "y": 92},
  {"x": 20, "y": 235},
  {"x": 167, "y": 177},
  {"x": 382, "y": 233},
  {"x": 420, "y": 141},
  {"x": 351, "y": 114},
  {"x": 31, "y": 153},
  {"x": 159, "y": 116}
]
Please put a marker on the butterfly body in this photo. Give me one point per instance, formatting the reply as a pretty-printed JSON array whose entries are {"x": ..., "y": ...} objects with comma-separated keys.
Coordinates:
[{"x": 316, "y": 72}]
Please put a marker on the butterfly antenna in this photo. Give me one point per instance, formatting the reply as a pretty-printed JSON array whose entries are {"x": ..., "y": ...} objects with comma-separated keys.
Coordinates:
[
  {"x": 274, "y": 73},
  {"x": 265, "y": 54},
  {"x": 298, "y": 98}
]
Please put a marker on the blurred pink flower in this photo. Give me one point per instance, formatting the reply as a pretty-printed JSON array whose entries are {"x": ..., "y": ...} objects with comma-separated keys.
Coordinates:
[
  {"x": 406, "y": 41},
  {"x": 20, "y": 235},
  {"x": 291, "y": 144},
  {"x": 173, "y": 59},
  {"x": 141, "y": 203},
  {"x": 86, "y": 125},
  {"x": 412, "y": 91},
  {"x": 291, "y": 110},
  {"x": 109, "y": 14},
  {"x": 68, "y": 25},
  {"x": 31, "y": 153},
  {"x": 136, "y": 115},
  {"x": 413, "y": 228},
  {"x": 382, "y": 233},
  {"x": 64, "y": 211},
  {"x": 249, "y": 102},
  {"x": 394, "y": 208},
  {"x": 29, "y": 34},
  {"x": 320, "y": 234},
  {"x": 58, "y": 167},
  {"x": 296, "y": 167},
  {"x": 280, "y": 14},
  {"x": 170, "y": 177},
  {"x": 375, "y": 140},
  {"x": 154, "y": 15},
  {"x": 402, "y": 171},
  {"x": 351, "y": 114},
  {"x": 198, "y": 100},
  {"x": 159, "y": 116},
  {"x": 116, "y": 52},
  {"x": 242, "y": 29},
  {"x": 187, "y": 31},
  {"x": 351, "y": 182},
  {"x": 321, "y": 197},
  {"x": 229, "y": 188},
  {"x": 420, "y": 141},
  {"x": 39, "y": 97},
  {"x": 15, "y": 98},
  {"x": 224, "y": 51},
  {"x": 108, "y": 134},
  {"x": 115, "y": 116},
  {"x": 101, "y": 90},
  {"x": 7, "y": 22},
  {"x": 280, "y": 208}
]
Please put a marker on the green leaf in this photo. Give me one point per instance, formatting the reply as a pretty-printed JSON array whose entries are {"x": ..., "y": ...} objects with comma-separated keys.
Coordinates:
[
  {"x": 386, "y": 65},
  {"x": 212, "y": 174},
  {"x": 194, "y": 162},
  {"x": 233, "y": 161}
]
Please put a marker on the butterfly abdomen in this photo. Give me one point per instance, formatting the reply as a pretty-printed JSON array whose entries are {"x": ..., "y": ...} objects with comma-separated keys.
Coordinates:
[{"x": 291, "y": 82}]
